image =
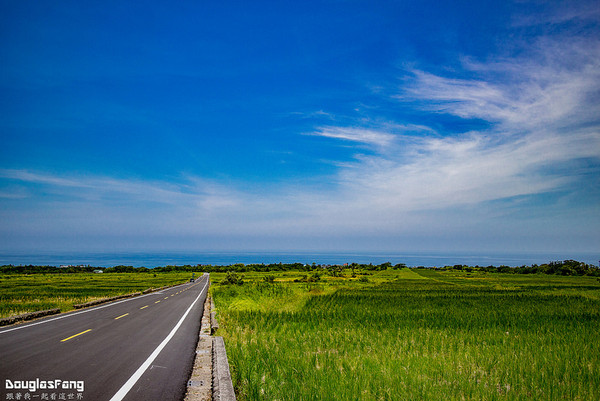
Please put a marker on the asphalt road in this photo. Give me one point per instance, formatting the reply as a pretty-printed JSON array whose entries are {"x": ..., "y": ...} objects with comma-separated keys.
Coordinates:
[{"x": 140, "y": 348}]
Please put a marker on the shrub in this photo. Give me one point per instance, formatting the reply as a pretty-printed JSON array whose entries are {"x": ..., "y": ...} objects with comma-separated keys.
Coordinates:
[{"x": 233, "y": 278}]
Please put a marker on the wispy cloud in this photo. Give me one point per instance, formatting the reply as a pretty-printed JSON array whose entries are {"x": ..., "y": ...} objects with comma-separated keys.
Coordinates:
[
  {"x": 558, "y": 88},
  {"x": 190, "y": 192},
  {"x": 354, "y": 134},
  {"x": 559, "y": 13},
  {"x": 542, "y": 111}
]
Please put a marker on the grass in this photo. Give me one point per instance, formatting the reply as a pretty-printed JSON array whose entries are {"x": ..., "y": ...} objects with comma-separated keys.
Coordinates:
[
  {"x": 387, "y": 335},
  {"x": 21, "y": 293},
  {"x": 413, "y": 335}
]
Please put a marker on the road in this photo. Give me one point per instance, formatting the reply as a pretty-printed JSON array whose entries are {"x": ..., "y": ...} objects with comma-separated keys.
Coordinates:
[{"x": 140, "y": 348}]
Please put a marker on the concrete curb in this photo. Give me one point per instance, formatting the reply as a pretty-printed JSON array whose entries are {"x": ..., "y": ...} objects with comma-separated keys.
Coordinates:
[
  {"x": 199, "y": 387},
  {"x": 222, "y": 385},
  {"x": 214, "y": 325},
  {"x": 28, "y": 316},
  {"x": 210, "y": 379}
]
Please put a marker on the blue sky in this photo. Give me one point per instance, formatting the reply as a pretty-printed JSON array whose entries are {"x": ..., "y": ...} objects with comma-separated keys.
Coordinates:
[{"x": 331, "y": 125}]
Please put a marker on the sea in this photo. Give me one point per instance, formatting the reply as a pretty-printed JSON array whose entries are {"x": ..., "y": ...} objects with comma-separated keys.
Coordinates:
[{"x": 411, "y": 259}]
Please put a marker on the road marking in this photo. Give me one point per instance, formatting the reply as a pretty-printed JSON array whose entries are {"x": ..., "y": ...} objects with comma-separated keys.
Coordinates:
[
  {"x": 166, "y": 297},
  {"x": 121, "y": 316},
  {"x": 144, "y": 307},
  {"x": 138, "y": 373},
  {"x": 157, "y": 302},
  {"x": 78, "y": 334}
]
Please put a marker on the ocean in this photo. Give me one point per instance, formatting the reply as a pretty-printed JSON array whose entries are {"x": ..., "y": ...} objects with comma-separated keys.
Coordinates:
[{"x": 412, "y": 259}]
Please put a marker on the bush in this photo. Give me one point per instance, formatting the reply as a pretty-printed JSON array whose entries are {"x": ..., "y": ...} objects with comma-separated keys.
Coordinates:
[
  {"x": 314, "y": 277},
  {"x": 233, "y": 278},
  {"x": 309, "y": 279}
]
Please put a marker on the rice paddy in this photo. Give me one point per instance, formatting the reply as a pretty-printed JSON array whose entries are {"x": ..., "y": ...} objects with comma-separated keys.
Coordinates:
[
  {"x": 20, "y": 293},
  {"x": 407, "y": 334},
  {"x": 412, "y": 335}
]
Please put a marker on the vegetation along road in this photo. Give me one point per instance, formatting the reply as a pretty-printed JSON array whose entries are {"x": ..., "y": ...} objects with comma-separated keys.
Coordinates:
[{"x": 411, "y": 334}]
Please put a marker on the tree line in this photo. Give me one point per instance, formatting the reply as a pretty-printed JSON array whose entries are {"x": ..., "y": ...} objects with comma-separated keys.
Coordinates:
[{"x": 565, "y": 268}]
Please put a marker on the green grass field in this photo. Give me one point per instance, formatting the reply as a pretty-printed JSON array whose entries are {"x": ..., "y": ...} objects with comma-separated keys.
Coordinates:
[
  {"x": 20, "y": 293},
  {"x": 389, "y": 335},
  {"x": 412, "y": 335}
]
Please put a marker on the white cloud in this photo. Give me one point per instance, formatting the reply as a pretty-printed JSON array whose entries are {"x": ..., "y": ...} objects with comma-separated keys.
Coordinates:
[
  {"x": 559, "y": 13},
  {"x": 461, "y": 171},
  {"x": 354, "y": 134},
  {"x": 543, "y": 111},
  {"x": 190, "y": 193},
  {"x": 556, "y": 89}
]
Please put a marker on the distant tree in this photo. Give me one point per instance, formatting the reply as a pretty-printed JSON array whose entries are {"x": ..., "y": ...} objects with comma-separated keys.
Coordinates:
[
  {"x": 315, "y": 277},
  {"x": 336, "y": 270},
  {"x": 504, "y": 269},
  {"x": 233, "y": 278}
]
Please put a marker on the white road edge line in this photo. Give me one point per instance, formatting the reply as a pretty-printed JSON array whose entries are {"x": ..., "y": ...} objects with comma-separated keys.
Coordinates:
[
  {"x": 75, "y": 313},
  {"x": 138, "y": 373}
]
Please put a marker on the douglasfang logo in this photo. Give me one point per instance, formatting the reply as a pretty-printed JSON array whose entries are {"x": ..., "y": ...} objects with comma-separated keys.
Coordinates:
[{"x": 37, "y": 384}]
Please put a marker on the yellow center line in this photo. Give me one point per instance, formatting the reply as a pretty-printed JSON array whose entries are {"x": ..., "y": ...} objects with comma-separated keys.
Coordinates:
[
  {"x": 121, "y": 316},
  {"x": 144, "y": 307},
  {"x": 157, "y": 302},
  {"x": 78, "y": 334},
  {"x": 166, "y": 297}
]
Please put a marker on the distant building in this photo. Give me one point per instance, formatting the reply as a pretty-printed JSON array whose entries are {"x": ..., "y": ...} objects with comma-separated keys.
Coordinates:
[{"x": 98, "y": 271}]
